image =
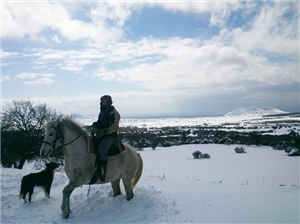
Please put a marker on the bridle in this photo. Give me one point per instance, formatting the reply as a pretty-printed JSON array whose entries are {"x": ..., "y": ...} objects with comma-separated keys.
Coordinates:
[{"x": 60, "y": 137}]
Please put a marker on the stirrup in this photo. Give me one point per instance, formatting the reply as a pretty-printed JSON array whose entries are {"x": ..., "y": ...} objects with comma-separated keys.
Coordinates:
[{"x": 102, "y": 178}]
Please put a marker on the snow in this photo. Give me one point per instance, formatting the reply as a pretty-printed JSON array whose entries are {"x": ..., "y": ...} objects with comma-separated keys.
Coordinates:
[
  {"x": 238, "y": 115},
  {"x": 278, "y": 125},
  {"x": 172, "y": 121},
  {"x": 260, "y": 186}
]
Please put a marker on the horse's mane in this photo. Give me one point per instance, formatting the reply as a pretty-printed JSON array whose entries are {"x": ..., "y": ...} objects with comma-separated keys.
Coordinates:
[{"x": 69, "y": 123}]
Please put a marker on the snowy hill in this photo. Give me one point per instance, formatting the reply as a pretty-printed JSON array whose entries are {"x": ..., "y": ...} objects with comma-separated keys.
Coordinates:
[{"x": 255, "y": 111}]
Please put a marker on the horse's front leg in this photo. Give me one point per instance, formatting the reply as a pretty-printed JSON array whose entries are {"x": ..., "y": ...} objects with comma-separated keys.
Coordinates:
[{"x": 65, "y": 206}]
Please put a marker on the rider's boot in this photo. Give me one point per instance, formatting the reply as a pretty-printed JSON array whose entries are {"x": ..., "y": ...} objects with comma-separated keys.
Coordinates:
[
  {"x": 100, "y": 173},
  {"x": 103, "y": 166}
]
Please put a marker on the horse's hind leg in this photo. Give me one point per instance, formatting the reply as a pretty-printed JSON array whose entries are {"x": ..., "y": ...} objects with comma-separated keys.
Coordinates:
[
  {"x": 128, "y": 188},
  {"x": 116, "y": 187},
  {"x": 65, "y": 206}
]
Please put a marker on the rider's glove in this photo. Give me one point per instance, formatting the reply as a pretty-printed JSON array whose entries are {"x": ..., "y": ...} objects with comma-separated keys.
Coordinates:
[
  {"x": 95, "y": 125},
  {"x": 100, "y": 133}
]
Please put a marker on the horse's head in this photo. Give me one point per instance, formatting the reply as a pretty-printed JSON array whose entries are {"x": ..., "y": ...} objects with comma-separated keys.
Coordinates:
[{"x": 53, "y": 138}]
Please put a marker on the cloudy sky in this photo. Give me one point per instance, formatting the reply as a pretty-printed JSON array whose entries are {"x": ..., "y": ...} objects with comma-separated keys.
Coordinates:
[{"x": 157, "y": 58}]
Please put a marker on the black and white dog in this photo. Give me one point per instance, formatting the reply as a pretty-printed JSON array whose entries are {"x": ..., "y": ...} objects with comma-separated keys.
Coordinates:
[{"x": 42, "y": 179}]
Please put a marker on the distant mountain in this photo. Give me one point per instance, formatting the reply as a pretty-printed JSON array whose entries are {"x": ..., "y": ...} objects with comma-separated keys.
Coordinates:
[{"x": 255, "y": 111}]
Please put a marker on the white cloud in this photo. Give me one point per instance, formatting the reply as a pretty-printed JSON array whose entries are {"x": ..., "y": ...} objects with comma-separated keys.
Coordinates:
[
  {"x": 70, "y": 60},
  {"x": 22, "y": 19},
  {"x": 79, "y": 62},
  {"x": 39, "y": 78},
  {"x": 218, "y": 10},
  {"x": 4, "y": 78},
  {"x": 41, "y": 81},
  {"x": 56, "y": 39},
  {"x": 71, "y": 68},
  {"x": 175, "y": 64},
  {"x": 75, "y": 65},
  {"x": 113, "y": 11},
  {"x": 5, "y": 54},
  {"x": 33, "y": 75},
  {"x": 107, "y": 19},
  {"x": 187, "y": 64},
  {"x": 219, "y": 18},
  {"x": 197, "y": 7},
  {"x": 40, "y": 67},
  {"x": 270, "y": 31},
  {"x": 52, "y": 56}
]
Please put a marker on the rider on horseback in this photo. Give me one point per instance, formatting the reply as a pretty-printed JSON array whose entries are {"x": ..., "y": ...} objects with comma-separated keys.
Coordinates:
[{"x": 106, "y": 128}]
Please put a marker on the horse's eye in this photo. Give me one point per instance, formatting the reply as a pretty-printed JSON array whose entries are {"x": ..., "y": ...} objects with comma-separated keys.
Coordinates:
[{"x": 51, "y": 134}]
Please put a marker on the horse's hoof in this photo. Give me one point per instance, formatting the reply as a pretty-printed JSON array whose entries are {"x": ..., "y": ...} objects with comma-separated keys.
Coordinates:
[
  {"x": 65, "y": 216},
  {"x": 115, "y": 195},
  {"x": 130, "y": 197}
]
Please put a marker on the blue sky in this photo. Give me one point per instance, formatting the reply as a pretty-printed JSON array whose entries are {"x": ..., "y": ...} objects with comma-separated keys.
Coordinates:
[{"x": 158, "y": 58}]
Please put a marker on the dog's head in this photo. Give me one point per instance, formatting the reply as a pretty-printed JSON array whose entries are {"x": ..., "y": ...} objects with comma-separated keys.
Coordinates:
[{"x": 52, "y": 166}]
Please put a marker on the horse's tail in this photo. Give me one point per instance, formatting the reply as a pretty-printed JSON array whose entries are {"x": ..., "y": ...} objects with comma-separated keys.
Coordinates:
[{"x": 139, "y": 172}]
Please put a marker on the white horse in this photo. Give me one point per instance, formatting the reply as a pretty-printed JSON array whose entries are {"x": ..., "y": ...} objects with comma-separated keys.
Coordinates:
[{"x": 67, "y": 135}]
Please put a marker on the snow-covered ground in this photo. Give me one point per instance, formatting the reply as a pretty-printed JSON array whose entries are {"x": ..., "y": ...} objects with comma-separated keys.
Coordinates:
[{"x": 260, "y": 186}]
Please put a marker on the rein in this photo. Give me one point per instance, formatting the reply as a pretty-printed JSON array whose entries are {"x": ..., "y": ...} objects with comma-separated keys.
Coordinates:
[
  {"x": 60, "y": 136},
  {"x": 69, "y": 142}
]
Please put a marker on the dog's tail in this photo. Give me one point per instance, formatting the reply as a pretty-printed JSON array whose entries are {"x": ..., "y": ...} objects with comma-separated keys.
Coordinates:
[{"x": 22, "y": 195}]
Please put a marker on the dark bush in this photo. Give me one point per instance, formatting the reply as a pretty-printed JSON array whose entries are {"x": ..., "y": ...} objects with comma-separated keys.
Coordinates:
[
  {"x": 294, "y": 152},
  {"x": 197, "y": 154},
  {"x": 22, "y": 130},
  {"x": 170, "y": 136},
  {"x": 204, "y": 156},
  {"x": 240, "y": 150}
]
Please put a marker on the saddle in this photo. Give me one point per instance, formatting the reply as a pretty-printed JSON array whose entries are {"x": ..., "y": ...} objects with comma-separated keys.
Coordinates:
[{"x": 115, "y": 149}]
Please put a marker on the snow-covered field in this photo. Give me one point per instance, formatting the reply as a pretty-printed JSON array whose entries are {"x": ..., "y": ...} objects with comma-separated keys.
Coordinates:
[
  {"x": 188, "y": 121},
  {"x": 260, "y": 186},
  {"x": 242, "y": 123}
]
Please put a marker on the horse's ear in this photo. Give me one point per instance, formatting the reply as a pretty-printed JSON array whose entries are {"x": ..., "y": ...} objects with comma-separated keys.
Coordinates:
[
  {"x": 60, "y": 118},
  {"x": 60, "y": 121}
]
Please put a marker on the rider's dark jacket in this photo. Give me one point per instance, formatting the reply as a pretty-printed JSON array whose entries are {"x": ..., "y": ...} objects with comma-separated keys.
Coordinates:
[{"x": 109, "y": 121}]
